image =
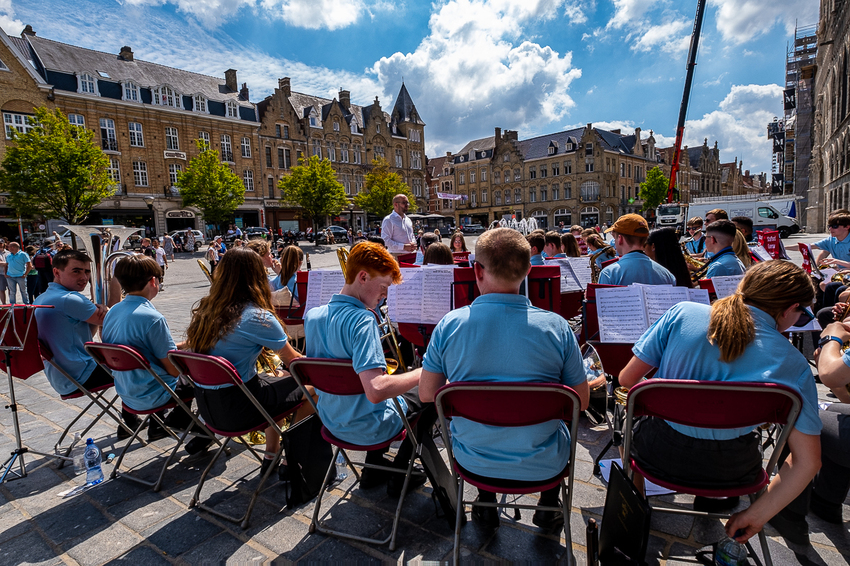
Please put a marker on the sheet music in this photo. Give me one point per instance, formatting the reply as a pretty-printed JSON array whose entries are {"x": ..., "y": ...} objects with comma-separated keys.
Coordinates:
[
  {"x": 622, "y": 314},
  {"x": 581, "y": 270},
  {"x": 725, "y": 285},
  {"x": 436, "y": 293},
  {"x": 761, "y": 253},
  {"x": 699, "y": 296},
  {"x": 659, "y": 299},
  {"x": 569, "y": 282},
  {"x": 828, "y": 273},
  {"x": 321, "y": 286}
]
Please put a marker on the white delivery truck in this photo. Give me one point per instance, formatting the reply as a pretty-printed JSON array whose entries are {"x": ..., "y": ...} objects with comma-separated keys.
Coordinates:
[{"x": 774, "y": 212}]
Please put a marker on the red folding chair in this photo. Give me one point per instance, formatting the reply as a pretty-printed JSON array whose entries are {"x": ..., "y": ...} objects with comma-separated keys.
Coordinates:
[
  {"x": 510, "y": 405},
  {"x": 116, "y": 357},
  {"x": 714, "y": 405},
  {"x": 571, "y": 302},
  {"x": 337, "y": 377},
  {"x": 214, "y": 371},
  {"x": 409, "y": 258},
  {"x": 544, "y": 287},
  {"x": 96, "y": 395},
  {"x": 461, "y": 257}
]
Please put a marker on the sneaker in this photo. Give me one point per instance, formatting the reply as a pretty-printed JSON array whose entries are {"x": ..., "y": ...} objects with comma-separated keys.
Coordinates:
[
  {"x": 198, "y": 445},
  {"x": 714, "y": 505},
  {"x": 155, "y": 431},
  {"x": 826, "y": 510},
  {"x": 792, "y": 527},
  {"x": 485, "y": 517},
  {"x": 267, "y": 462},
  {"x": 396, "y": 482},
  {"x": 132, "y": 421},
  {"x": 548, "y": 521}
]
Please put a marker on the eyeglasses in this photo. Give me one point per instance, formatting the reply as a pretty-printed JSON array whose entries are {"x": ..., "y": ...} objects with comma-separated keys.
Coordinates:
[
  {"x": 806, "y": 316},
  {"x": 692, "y": 228},
  {"x": 834, "y": 226}
]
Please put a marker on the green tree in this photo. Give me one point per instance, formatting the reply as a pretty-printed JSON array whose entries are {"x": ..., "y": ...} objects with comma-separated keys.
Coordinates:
[
  {"x": 210, "y": 185},
  {"x": 653, "y": 190},
  {"x": 380, "y": 187},
  {"x": 313, "y": 187},
  {"x": 55, "y": 170}
]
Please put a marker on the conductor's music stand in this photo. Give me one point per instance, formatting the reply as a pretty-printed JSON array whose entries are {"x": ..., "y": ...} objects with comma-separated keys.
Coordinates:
[{"x": 22, "y": 360}]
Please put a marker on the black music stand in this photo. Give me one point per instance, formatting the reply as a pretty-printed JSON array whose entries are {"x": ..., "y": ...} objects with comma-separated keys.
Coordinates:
[{"x": 15, "y": 324}]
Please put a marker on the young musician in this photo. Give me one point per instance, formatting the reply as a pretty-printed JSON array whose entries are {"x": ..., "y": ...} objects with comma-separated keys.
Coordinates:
[
  {"x": 719, "y": 237},
  {"x": 69, "y": 325},
  {"x": 427, "y": 239},
  {"x": 236, "y": 321},
  {"x": 537, "y": 241},
  {"x": 715, "y": 214},
  {"x": 663, "y": 247},
  {"x": 397, "y": 229},
  {"x": 745, "y": 225},
  {"x": 697, "y": 244},
  {"x": 730, "y": 341},
  {"x": 346, "y": 329},
  {"x": 477, "y": 343},
  {"x": 570, "y": 245},
  {"x": 552, "y": 246},
  {"x": 630, "y": 232}
]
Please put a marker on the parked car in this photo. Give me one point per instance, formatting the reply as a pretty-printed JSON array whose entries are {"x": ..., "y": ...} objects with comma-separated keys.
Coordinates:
[
  {"x": 472, "y": 228},
  {"x": 199, "y": 237},
  {"x": 254, "y": 232},
  {"x": 340, "y": 235}
]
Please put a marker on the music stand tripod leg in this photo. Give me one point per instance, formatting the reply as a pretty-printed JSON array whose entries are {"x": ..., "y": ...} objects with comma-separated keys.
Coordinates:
[{"x": 18, "y": 453}]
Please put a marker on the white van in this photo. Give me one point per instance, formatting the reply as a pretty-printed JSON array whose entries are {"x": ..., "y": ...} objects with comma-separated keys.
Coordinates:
[{"x": 762, "y": 212}]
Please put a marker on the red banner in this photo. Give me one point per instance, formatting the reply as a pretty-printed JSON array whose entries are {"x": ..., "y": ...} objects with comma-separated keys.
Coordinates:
[
  {"x": 807, "y": 253},
  {"x": 770, "y": 240}
]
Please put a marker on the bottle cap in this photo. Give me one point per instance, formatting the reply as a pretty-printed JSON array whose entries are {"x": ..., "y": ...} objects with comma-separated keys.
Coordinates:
[{"x": 89, "y": 441}]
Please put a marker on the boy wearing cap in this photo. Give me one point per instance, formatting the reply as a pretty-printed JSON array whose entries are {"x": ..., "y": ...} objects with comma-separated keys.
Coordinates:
[{"x": 630, "y": 232}]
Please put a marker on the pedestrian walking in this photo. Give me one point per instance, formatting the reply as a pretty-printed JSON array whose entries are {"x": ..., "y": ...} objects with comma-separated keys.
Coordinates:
[
  {"x": 18, "y": 265},
  {"x": 32, "y": 277},
  {"x": 168, "y": 246},
  {"x": 212, "y": 256},
  {"x": 160, "y": 259},
  {"x": 190, "y": 241}
]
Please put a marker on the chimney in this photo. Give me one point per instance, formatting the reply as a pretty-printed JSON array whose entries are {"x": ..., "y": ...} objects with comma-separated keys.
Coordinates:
[
  {"x": 28, "y": 31},
  {"x": 126, "y": 53},
  {"x": 449, "y": 154},
  {"x": 283, "y": 85},
  {"x": 230, "y": 80},
  {"x": 243, "y": 92},
  {"x": 617, "y": 131},
  {"x": 637, "y": 133},
  {"x": 345, "y": 99},
  {"x": 498, "y": 134}
]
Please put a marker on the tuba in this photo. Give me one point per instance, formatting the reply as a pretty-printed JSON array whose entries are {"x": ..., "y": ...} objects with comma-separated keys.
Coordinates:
[{"x": 595, "y": 270}]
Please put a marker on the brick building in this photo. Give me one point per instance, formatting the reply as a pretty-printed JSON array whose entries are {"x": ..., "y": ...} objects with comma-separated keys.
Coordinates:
[
  {"x": 699, "y": 171},
  {"x": 147, "y": 117},
  {"x": 440, "y": 179},
  {"x": 584, "y": 176}
]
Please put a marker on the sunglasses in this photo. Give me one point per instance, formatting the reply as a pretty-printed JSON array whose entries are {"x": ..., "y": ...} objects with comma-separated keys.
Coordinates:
[
  {"x": 835, "y": 226},
  {"x": 806, "y": 316}
]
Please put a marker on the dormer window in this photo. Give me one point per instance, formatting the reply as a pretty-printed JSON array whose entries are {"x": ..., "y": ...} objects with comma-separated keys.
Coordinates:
[
  {"x": 87, "y": 84},
  {"x": 199, "y": 103},
  {"x": 232, "y": 111},
  {"x": 553, "y": 148},
  {"x": 314, "y": 123},
  {"x": 165, "y": 96},
  {"x": 336, "y": 125},
  {"x": 131, "y": 92}
]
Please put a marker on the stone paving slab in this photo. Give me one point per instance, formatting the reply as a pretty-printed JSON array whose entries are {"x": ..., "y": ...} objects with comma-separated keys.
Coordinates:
[{"x": 122, "y": 522}]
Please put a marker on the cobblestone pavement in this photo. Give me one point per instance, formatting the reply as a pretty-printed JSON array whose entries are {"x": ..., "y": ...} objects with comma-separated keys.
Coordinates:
[{"x": 123, "y": 522}]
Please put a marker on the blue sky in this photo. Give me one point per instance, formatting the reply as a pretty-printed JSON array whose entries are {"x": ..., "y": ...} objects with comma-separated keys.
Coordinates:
[{"x": 535, "y": 66}]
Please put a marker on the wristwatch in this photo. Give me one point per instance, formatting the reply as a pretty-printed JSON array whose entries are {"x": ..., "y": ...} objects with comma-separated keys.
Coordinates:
[{"x": 823, "y": 341}]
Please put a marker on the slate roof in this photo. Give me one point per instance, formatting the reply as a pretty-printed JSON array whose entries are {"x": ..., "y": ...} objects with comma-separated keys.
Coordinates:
[
  {"x": 437, "y": 164},
  {"x": 56, "y": 56},
  {"x": 694, "y": 154},
  {"x": 478, "y": 145},
  {"x": 404, "y": 109},
  {"x": 302, "y": 103},
  {"x": 537, "y": 148}
]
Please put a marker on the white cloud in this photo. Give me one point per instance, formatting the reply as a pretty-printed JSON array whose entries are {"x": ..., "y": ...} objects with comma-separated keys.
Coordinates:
[
  {"x": 629, "y": 12},
  {"x": 740, "y": 21},
  {"x": 8, "y": 22},
  {"x": 577, "y": 13},
  {"x": 472, "y": 57},
  {"x": 667, "y": 36}
]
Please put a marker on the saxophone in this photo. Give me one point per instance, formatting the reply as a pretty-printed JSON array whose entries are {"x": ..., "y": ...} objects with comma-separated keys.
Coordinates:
[
  {"x": 701, "y": 267},
  {"x": 595, "y": 270}
]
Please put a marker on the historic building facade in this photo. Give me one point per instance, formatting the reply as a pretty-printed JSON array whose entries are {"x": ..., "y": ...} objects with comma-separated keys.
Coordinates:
[
  {"x": 699, "y": 172},
  {"x": 440, "y": 179},
  {"x": 149, "y": 116},
  {"x": 585, "y": 176}
]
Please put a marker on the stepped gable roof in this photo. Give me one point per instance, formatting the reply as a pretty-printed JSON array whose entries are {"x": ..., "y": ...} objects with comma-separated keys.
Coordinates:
[
  {"x": 302, "y": 103},
  {"x": 404, "y": 110},
  {"x": 437, "y": 164},
  {"x": 61, "y": 57}
]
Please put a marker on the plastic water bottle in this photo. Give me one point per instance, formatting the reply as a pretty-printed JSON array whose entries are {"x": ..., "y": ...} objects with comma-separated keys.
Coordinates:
[
  {"x": 77, "y": 455},
  {"x": 730, "y": 553},
  {"x": 341, "y": 468},
  {"x": 94, "y": 473}
]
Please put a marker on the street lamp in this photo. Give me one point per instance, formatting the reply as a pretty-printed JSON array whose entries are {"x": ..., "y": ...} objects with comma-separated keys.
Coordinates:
[{"x": 351, "y": 219}]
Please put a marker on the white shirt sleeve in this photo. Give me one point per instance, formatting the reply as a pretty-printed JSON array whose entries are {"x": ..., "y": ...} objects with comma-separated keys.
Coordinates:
[{"x": 388, "y": 234}]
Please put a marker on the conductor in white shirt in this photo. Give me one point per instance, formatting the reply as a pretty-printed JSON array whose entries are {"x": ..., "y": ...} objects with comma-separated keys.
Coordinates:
[{"x": 397, "y": 229}]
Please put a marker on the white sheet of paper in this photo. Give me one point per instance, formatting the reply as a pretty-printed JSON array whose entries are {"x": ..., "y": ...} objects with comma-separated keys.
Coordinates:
[
  {"x": 405, "y": 300},
  {"x": 436, "y": 293},
  {"x": 761, "y": 253},
  {"x": 651, "y": 488},
  {"x": 699, "y": 296},
  {"x": 321, "y": 286},
  {"x": 659, "y": 299},
  {"x": 569, "y": 282},
  {"x": 828, "y": 273},
  {"x": 622, "y": 314},
  {"x": 725, "y": 285},
  {"x": 581, "y": 270}
]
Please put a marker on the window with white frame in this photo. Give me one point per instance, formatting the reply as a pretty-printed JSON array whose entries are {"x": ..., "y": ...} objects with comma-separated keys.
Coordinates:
[
  {"x": 356, "y": 150},
  {"x": 461, "y": 178},
  {"x": 483, "y": 175},
  {"x": 248, "y": 179},
  {"x": 398, "y": 159},
  {"x": 113, "y": 169},
  {"x": 137, "y": 138},
  {"x": 344, "y": 151},
  {"x": 517, "y": 175},
  {"x": 232, "y": 109},
  {"x": 166, "y": 96},
  {"x": 131, "y": 92},
  {"x": 590, "y": 191},
  {"x": 505, "y": 158},
  {"x": 140, "y": 173},
  {"x": 416, "y": 160},
  {"x": 497, "y": 177},
  {"x": 77, "y": 120},
  {"x": 377, "y": 128},
  {"x": 417, "y": 187},
  {"x": 336, "y": 125},
  {"x": 472, "y": 200},
  {"x": 346, "y": 184},
  {"x": 588, "y": 164},
  {"x": 532, "y": 195},
  {"x": 172, "y": 141},
  {"x": 556, "y": 192},
  {"x": 331, "y": 151},
  {"x": 314, "y": 122},
  {"x": 226, "y": 148},
  {"x": 246, "y": 147},
  {"x": 199, "y": 103},
  {"x": 174, "y": 169},
  {"x": 544, "y": 194},
  {"x": 484, "y": 195},
  {"x": 107, "y": 134},
  {"x": 543, "y": 172},
  {"x": 205, "y": 137},
  {"x": 517, "y": 195},
  {"x": 556, "y": 169},
  {"x": 472, "y": 176},
  {"x": 414, "y": 135},
  {"x": 568, "y": 168},
  {"x": 507, "y": 196},
  {"x": 380, "y": 151},
  {"x": 532, "y": 172},
  {"x": 87, "y": 83},
  {"x": 317, "y": 148},
  {"x": 497, "y": 197}
]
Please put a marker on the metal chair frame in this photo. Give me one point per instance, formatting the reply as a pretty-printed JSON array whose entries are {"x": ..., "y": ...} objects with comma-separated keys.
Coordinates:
[
  {"x": 183, "y": 362},
  {"x": 117, "y": 357},
  {"x": 303, "y": 381},
  {"x": 784, "y": 411},
  {"x": 568, "y": 411}
]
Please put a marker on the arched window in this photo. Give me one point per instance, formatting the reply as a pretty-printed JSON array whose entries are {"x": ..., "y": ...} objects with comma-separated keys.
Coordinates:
[
  {"x": 542, "y": 218},
  {"x": 609, "y": 215},
  {"x": 565, "y": 216}
]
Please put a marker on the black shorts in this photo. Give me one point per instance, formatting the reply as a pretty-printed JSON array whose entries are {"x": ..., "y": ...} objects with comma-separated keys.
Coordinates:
[{"x": 229, "y": 409}]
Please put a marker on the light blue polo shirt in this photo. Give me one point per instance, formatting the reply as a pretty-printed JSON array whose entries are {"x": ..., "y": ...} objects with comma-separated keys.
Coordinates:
[
  {"x": 293, "y": 288},
  {"x": 677, "y": 344},
  {"x": 135, "y": 322},
  {"x": 66, "y": 331},
  {"x": 16, "y": 264},
  {"x": 839, "y": 249},
  {"x": 345, "y": 329},
  {"x": 537, "y": 259},
  {"x": 482, "y": 342},
  {"x": 725, "y": 264},
  {"x": 275, "y": 283},
  {"x": 696, "y": 246},
  {"x": 242, "y": 346},
  {"x": 636, "y": 267}
]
